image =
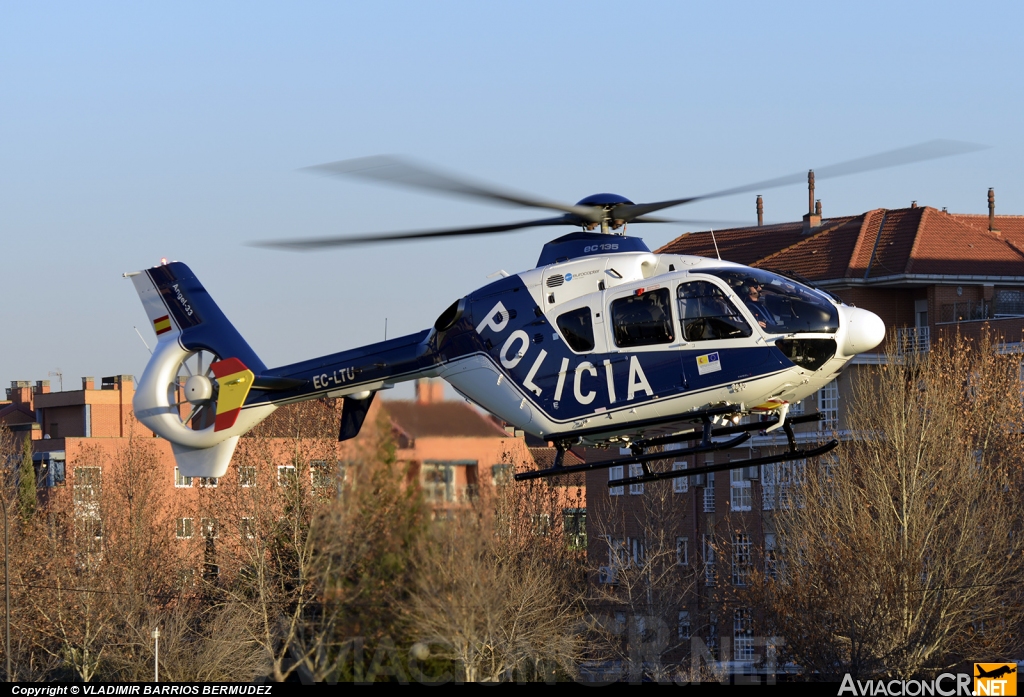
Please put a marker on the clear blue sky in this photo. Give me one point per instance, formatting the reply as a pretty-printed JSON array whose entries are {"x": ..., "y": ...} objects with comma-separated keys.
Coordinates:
[{"x": 135, "y": 131}]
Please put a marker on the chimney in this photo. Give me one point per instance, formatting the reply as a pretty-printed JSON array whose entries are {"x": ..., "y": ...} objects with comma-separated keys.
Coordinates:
[
  {"x": 42, "y": 387},
  {"x": 810, "y": 192},
  {"x": 429, "y": 391},
  {"x": 20, "y": 392},
  {"x": 813, "y": 218},
  {"x": 760, "y": 211},
  {"x": 913, "y": 204},
  {"x": 89, "y": 383},
  {"x": 992, "y": 210}
]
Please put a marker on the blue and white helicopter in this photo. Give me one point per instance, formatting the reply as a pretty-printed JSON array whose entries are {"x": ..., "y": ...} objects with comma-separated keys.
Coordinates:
[{"x": 604, "y": 343}]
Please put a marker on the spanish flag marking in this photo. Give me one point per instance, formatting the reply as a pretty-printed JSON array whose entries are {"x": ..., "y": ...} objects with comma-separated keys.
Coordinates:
[
  {"x": 235, "y": 381},
  {"x": 162, "y": 324}
]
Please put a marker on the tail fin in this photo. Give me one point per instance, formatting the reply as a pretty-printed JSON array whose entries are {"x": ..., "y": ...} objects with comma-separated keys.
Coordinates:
[{"x": 198, "y": 408}]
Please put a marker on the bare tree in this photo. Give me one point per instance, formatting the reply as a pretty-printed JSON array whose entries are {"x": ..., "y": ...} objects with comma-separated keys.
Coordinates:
[
  {"x": 643, "y": 581},
  {"x": 906, "y": 555},
  {"x": 499, "y": 589},
  {"x": 316, "y": 543}
]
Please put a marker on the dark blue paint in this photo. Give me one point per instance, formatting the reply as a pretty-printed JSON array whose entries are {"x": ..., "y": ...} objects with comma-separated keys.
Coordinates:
[
  {"x": 206, "y": 328},
  {"x": 584, "y": 244},
  {"x": 603, "y": 200}
]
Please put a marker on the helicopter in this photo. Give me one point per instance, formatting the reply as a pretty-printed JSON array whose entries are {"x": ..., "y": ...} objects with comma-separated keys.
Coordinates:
[{"x": 603, "y": 343}]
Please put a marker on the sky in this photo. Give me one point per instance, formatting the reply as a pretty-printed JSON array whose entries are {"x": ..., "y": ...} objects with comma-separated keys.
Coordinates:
[{"x": 137, "y": 131}]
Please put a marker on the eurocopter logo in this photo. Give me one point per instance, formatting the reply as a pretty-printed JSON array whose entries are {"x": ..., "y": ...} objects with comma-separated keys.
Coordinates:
[{"x": 995, "y": 679}]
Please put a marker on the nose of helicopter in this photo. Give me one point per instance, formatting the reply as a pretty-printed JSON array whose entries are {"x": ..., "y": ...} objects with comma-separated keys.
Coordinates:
[{"x": 864, "y": 330}]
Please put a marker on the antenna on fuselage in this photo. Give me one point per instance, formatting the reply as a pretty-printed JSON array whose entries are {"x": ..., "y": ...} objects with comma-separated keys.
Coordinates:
[{"x": 717, "y": 253}]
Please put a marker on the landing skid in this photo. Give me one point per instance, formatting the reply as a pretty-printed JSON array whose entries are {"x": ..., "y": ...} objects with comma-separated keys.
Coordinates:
[{"x": 705, "y": 432}]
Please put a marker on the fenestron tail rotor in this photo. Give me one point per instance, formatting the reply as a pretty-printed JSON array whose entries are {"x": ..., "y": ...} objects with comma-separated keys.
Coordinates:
[
  {"x": 610, "y": 212},
  {"x": 194, "y": 390}
]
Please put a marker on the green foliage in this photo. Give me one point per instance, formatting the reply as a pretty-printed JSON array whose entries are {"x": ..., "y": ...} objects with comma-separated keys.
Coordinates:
[
  {"x": 392, "y": 515},
  {"x": 26, "y": 481}
]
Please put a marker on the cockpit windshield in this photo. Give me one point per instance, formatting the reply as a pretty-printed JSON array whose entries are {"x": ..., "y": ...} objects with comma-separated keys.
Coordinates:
[{"x": 778, "y": 304}]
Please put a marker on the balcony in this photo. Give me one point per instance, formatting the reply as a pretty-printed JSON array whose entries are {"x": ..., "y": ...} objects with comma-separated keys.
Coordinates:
[
  {"x": 910, "y": 340},
  {"x": 1005, "y": 304}
]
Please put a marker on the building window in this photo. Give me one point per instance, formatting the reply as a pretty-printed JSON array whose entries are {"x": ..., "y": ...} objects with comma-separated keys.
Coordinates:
[
  {"x": 501, "y": 475},
  {"x": 680, "y": 485},
  {"x": 247, "y": 476},
  {"x": 740, "y": 559},
  {"x": 828, "y": 406},
  {"x": 181, "y": 481},
  {"x": 210, "y": 528},
  {"x": 708, "y": 549},
  {"x": 86, "y": 496},
  {"x": 285, "y": 475},
  {"x": 796, "y": 408},
  {"x": 90, "y": 534},
  {"x": 615, "y": 473},
  {"x": 828, "y": 462},
  {"x": 87, "y": 485},
  {"x": 739, "y": 490},
  {"x": 541, "y": 524},
  {"x": 780, "y": 484},
  {"x": 713, "y": 635},
  {"x": 438, "y": 482},
  {"x": 683, "y": 631},
  {"x": 639, "y": 552},
  {"x": 636, "y": 470},
  {"x": 742, "y": 634},
  {"x": 184, "y": 529},
  {"x": 247, "y": 529},
  {"x": 208, "y": 482},
  {"x": 771, "y": 556},
  {"x": 709, "y": 493},
  {"x": 574, "y": 525},
  {"x": 683, "y": 551},
  {"x": 618, "y": 556},
  {"x": 321, "y": 474}
]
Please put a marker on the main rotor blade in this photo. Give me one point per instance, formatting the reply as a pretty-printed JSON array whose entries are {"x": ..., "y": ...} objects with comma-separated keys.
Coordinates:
[
  {"x": 311, "y": 243},
  {"x": 922, "y": 152},
  {"x": 392, "y": 170}
]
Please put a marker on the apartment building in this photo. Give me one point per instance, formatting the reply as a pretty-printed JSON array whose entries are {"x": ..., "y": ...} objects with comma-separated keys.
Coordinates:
[
  {"x": 88, "y": 439},
  {"x": 925, "y": 272}
]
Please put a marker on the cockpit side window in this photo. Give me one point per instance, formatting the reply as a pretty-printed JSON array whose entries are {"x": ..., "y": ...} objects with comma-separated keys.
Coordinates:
[
  {"x": 706, "y": 314},
  {"x": 642, "y": 320},
  {"x": 578, "y": 329},
  {"x": 779, "y": 304}
]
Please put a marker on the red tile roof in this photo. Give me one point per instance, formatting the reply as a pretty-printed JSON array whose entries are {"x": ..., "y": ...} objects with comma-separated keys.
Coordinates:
[
  {"x": 877, "y": 244},
  {"x": 442, "y": 419},
  {"x": 545, "y": 458}
]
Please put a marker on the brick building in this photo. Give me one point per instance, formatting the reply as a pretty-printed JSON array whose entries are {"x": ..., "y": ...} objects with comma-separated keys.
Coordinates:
[
  {"x": 924, "y": 272},
  {"x": 455, "y": 453}
]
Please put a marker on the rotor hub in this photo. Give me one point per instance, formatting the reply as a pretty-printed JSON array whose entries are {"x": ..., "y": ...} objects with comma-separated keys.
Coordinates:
[{"x": 198, "y": 389}]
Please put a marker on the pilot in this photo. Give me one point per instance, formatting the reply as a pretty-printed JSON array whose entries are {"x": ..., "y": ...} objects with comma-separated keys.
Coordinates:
[{"x": 752, "y": 297}]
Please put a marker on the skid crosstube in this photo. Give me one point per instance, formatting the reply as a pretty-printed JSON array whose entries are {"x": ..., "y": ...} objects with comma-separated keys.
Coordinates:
[
  {"x": 704, "y": 433},
  {"x": 632, "y": 459},
  {"x": 752, "y": 462}
]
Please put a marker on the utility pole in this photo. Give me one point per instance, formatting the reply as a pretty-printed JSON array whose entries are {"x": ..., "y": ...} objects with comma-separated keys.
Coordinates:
[
  {"x": 156, "y": 654},
  {"x": 7, "y": 591}
]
